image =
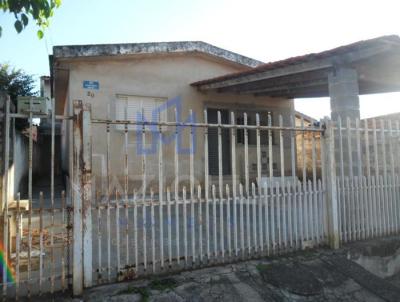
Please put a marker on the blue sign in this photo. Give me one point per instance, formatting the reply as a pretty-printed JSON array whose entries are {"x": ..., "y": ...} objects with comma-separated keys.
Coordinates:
[{"x": 92, "y": 85}]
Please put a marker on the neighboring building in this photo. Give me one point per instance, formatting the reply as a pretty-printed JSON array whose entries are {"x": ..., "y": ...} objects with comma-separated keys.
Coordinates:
[
  {"x": 148, "y": 75},
  {"x": 45, "y": 87},
  {"x": 387, "y": 145},
  {"x": 305, "y": 145}
]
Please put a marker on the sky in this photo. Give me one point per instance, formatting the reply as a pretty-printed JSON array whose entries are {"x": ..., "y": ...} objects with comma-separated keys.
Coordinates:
[{"x": 266, "y": 30}]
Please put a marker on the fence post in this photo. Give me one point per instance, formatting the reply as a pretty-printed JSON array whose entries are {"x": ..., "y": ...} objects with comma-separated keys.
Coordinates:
[
  {"x": 82, "y": 197},
  {"x": 87, "y": 195},
  {"x": 332, "y": 201},
  {"x": 5, "y": 196},
  {"x": 77, "y": 264}
]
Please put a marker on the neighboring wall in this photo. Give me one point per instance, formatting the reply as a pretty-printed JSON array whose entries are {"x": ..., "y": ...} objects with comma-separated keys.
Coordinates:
[
  {"x": 18, "y": 157},
  {"x": 164, "y": 77},
  {"x": 19, "y": 168}
]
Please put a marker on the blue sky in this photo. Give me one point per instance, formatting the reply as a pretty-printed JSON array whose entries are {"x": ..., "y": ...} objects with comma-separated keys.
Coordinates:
[{"x": 267, "y": 30}]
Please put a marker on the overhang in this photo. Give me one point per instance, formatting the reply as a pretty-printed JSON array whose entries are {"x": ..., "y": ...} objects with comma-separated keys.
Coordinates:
[{"x": 377, "y": 62}]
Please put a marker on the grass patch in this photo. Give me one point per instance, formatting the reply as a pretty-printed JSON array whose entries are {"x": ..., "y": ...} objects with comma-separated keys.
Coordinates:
[
  {"x": 262, "y": 267},
  {"x": 142, "y": 291},
  {"x": 163, "y": 284}
]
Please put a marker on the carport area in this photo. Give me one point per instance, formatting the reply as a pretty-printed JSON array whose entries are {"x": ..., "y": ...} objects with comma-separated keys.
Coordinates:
[{"x": 343, "y": 73}]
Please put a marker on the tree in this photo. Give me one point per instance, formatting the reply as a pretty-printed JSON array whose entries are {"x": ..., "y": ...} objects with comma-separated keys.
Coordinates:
[
  {"x": 16, "y": 82},
  {"x": 39, "y": 10}
]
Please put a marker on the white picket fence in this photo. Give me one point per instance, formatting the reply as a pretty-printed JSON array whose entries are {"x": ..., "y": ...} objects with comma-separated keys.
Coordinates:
[
  {"x": 135, "y": 237},
  {"x": 295, "y": 187},
  {"x": 369, "y": 207},
  {"x": 367, "y": 165}
]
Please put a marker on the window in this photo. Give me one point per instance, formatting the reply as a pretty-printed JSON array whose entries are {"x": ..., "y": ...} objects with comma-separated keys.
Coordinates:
[
  {"x": 251, "y": 120},
  {"x": 130, "y": 108}
]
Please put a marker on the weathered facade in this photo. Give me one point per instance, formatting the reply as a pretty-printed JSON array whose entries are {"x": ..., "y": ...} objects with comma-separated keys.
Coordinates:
[{"x": 160, "y": 72}]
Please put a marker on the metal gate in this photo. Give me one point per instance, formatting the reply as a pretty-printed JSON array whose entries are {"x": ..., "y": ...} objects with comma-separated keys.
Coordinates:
[
  {"x": 154, "y": 210},
  {"x": 37, "y": 222}
]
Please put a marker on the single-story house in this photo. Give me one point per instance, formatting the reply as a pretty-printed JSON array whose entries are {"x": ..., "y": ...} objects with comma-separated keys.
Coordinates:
[
  {"x": 200, "y": 77},
  {"x": 151, "y": 75}
]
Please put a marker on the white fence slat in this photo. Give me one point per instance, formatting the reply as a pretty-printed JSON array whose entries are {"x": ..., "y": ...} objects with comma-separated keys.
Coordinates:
[
  {"x": 177, "y": 226},
  {"x": 153, "y": 232},
  {"x": 228, "y": 219},
  {"x": 273, "y": 214},
  {"x": 306, "y": 208},
  {"x": 161, "y": 193},
  {"x": 234, "y": 184},
  {"x": 99, "y": 234},
  {"x": 397, "y": 203},
  {"x": 18, "y": 247},
  {"x": 206, "y": 186},
  {"x": 270, "y": 153},
  {"x": 246, "y": 157},
  {"x": 200, "y": 220},
  {"x": 241, "y": 218},
  {"x": 300, "y": 212},
  {"x": 221, "y": 225},
  {"x": 193, "y": 227},
  {"x": 41, "y": 241},
  {"x": 169, "y": 227},
  {"x": 185, "y": 238},
  {"x": 248, "y": 226},
  {"x": 215, "y": 239},
  {"x": 320, "y": 209},
  {"x": 278, "y": 214},
  {"x": 295, "y": 214},
  {"x": 144, "y": 233},
  {"x": 135, "y": 230},
  {"x": 208, "y": 238},
  {"x": 117, "y": 230},
  {"x": 311, "y": 213},
  {"x": 176, "y": 179},
  {"x": 254, "y": 217},
  {"x": 258, "y": 147},
  {"x": 289, "y": 213},
  {"x": 266, "y": 217}
]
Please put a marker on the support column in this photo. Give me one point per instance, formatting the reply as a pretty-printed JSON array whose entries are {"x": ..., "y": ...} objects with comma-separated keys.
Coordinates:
[{"x": 343, "y": 91}]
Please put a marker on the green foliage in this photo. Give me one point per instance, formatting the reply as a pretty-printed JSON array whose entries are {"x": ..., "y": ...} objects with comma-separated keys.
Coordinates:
[
  {"x": 39, "y": 10},
  {"x": 16, "y": 82}
]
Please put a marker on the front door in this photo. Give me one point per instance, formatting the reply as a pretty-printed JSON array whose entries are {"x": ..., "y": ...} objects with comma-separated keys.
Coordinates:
[{"x": 213, "y": 143}]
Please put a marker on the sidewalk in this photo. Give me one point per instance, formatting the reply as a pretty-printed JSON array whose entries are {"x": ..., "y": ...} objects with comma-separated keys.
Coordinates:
[{"x": 307, "y": 276}]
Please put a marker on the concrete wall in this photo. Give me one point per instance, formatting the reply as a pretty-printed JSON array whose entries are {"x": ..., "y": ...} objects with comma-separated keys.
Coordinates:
[
  {"x": 164, "y": 77},
  {"x": 19, "y": 166}
]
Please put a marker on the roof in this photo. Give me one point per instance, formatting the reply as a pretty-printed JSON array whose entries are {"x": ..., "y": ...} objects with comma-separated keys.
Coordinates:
[
  {"x": 306, "y": 65},
  {"x": 126, "y": 49},
  {"x": 391, "y": 116},
  {"x": 305, "y": 117}
]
